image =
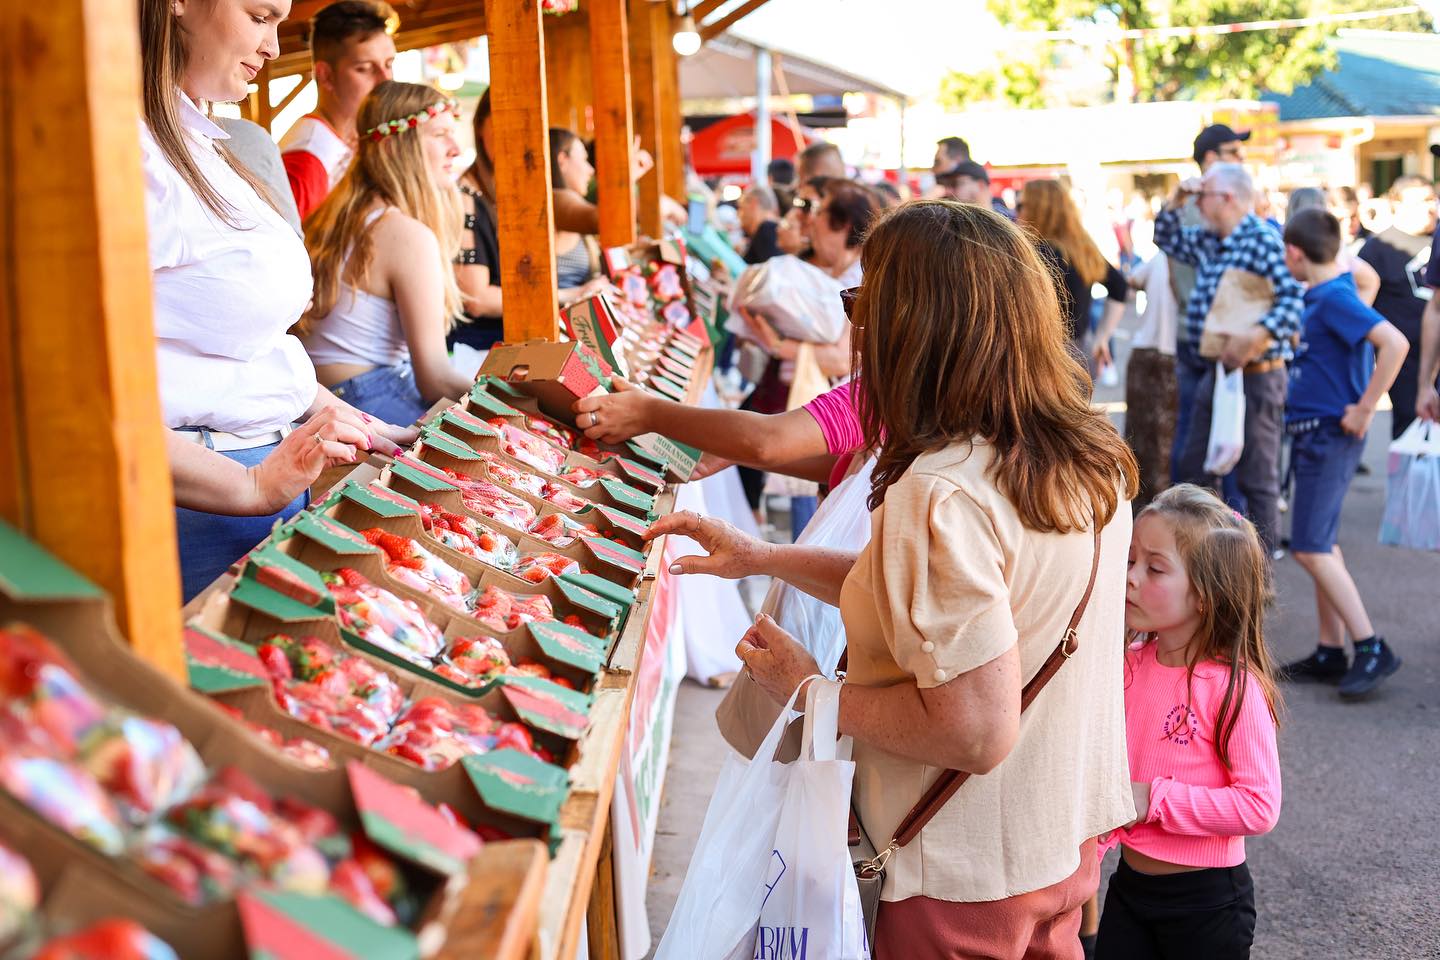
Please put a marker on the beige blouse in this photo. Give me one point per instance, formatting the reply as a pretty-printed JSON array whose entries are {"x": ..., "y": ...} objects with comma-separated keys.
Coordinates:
[{"x": 951, "y": 580}]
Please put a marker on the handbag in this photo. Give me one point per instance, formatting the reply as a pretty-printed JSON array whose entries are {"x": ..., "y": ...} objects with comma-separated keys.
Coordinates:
[{"x": 870, "y": 870}]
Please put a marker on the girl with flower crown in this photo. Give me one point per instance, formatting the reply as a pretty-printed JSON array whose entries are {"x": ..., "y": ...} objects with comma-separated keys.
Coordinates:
[{"x": 381, "y": 248}]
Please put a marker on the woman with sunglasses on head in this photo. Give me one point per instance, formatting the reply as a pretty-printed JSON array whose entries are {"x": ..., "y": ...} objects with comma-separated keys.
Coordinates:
[
  {"x": 382, "y": 246},
  {"x": 249, "y": 427},
  {"x": 1000, "y": 528}
]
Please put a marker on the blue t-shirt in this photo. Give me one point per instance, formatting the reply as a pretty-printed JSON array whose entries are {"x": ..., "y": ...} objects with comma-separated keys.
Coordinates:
[{"x": 1335, "y": 361}]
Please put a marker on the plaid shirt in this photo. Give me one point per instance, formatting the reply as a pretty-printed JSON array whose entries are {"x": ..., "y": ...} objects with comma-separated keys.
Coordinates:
[{"x": 1254, "y": 246}]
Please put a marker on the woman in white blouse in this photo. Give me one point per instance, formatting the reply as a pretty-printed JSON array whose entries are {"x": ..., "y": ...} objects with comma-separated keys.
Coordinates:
[{"x": 230, "y": 277}]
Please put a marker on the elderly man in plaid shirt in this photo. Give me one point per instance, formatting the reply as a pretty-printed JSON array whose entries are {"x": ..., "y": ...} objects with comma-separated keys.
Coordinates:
[{"x": 1233, "y": 238}]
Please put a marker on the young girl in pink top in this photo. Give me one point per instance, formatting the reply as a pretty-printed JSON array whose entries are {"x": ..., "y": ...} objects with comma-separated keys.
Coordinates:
[{"x": 1200, "y": 714}]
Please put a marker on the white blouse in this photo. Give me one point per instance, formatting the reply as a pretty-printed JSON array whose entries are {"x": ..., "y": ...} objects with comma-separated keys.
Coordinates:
[{"x": 224, "y": 296}]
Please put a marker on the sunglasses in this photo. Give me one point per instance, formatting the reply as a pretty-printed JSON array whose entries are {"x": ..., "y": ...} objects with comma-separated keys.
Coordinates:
[
  {"x": 803, "y": 204},
  {"x": 847, "y": 301}
]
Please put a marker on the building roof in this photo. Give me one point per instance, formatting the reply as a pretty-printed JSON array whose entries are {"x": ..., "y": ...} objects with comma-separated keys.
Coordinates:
[
  {"x": 725, "y": 68},
  {"x": 1378, "y": 74}
]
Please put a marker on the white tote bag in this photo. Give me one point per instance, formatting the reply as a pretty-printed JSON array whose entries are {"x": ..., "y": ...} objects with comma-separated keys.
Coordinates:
[
  {"x": 1412, "y": 491},
  {"x": 1227, "y": 422},
  {"x": 735, "y": 869},
  {"x": 812, "y": 903},
  {"x": 801, "y": 301}
]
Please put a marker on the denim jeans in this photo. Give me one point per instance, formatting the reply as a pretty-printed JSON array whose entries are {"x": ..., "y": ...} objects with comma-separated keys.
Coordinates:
[
  {"x": 1190, "y": 369},
  {"x": 388, "y": 393},
  {"x": 1323, "y": 461},
  {"x": 801, "y": 510},
  {"x": 209, "y": 542}
]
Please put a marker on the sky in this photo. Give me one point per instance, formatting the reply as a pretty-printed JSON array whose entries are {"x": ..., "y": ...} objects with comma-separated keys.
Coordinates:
[{"x": 904, "y": 44}]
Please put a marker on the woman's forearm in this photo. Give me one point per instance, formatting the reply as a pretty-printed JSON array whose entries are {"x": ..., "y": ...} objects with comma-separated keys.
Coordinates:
[
  {"x": 206, "y": 481},
  {"x": 761, "y": 440},
  {"x": 819, "y": 571}
]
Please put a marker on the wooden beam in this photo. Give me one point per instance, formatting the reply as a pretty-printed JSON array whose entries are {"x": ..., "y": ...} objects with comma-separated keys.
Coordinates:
[
  {"x": 712, "y": 30},
  {"x": 526, "y": 211},
  {"x": 614, "y": 131},
  {"x": 79, "y": 364},
  {"x": 645, "y": 95},
  {"x": 567, "y": 72},
  {"x": 704, "y": 8},
  {"x": 672, "y": 171}
]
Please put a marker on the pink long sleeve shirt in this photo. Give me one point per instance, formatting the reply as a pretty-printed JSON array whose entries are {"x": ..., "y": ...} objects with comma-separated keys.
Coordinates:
[{"x": 1200, "y": 811}]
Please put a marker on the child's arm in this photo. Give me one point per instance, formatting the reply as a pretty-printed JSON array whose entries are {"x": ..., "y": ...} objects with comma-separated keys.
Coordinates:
[
  {"x": 1390, "y": 349},
  {"x": 1249, "y": 806}
]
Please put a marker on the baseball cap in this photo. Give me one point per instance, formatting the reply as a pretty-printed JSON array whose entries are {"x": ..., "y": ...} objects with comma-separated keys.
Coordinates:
[
  {"x": 1212, "y": 136},
  {"x": 965, "y": 168},
  {"x": 1435, "y": 149}
]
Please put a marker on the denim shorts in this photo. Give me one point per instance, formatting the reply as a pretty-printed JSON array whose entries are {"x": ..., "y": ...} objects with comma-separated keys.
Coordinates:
[
  {"x": 1323, "y": 460},
  {"x": 210, "y": 542},
  {"x": 388, "y": 393}
]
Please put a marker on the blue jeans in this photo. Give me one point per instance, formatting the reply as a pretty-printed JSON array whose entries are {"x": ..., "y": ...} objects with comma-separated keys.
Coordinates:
[
  {"x": 1323, "y": 461},
  {"x": 1190, "y": 368},
  {"x": 388, "y": 393},
  {"x": 210, "y": 542},
  {"x": 801, "y": 510}
]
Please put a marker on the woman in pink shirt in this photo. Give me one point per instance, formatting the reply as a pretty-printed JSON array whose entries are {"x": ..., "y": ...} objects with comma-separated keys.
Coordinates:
[{"x": 1200, "y": 717}]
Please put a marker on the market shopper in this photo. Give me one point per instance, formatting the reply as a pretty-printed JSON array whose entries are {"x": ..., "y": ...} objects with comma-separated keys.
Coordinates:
[
  {"x": 1046, "y": 209},
  {"x": 352, "y": 47},
  {"x": 381, "y": 247},
  {"x": 1233, "y": 238},
  {"x": 1333, "y": 398},
  {"x": 967, "y": 182},
  {"x": 760, "y": 221},
  {"x": 477, "y": 265},
  {"x": 992, "y": 480},
  {"x": 577, "y": 254},
  {"x": 1367, "y": 281},
  {"x": 1427, "y": 400},
  {"x": 230, "y": 278},
  {"x": 1200, "y": 713}
]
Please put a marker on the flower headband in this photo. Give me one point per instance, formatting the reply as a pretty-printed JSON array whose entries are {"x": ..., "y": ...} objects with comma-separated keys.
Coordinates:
[{"x": 388, "y": 127}]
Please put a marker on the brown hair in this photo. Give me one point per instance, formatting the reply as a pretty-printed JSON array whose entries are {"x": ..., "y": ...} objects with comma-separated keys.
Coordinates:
[
  {"x": 849, "y": 204},
  {"x": 1315, "y": 232},
  {"x": 1230, "y": 574},
  {"x": 347, "y": 19},
  {"x": 483, "y": 168},
  {"x": 1053, "y": 217},
  {"x": 959, "y": 338},
  {"x": 162, "y": 64}
]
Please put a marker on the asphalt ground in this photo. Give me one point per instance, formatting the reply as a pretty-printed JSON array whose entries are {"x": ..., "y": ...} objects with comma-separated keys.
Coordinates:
[{"x": 1352, "y": 870}]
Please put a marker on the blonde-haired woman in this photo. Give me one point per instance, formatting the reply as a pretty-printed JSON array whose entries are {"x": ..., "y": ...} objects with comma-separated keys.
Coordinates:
[
  {"x": 249, "y": 428},
  {"x": 382, "y": 246},
  {"x": 1052, "y": 217}
]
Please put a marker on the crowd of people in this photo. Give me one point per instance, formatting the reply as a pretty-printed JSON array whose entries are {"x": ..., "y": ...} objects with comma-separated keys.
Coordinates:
[{"x": 935, "y": 358}]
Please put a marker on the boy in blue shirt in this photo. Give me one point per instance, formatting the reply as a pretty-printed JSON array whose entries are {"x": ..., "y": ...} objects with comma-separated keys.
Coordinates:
[{"x": 1332, "y": 400}]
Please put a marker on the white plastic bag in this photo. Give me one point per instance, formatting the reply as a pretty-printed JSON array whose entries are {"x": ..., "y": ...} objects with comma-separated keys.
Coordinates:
[
  {"x": 754, "y": 857},
  {"x": 1412, "y": 492},
  {"x": 1227, "y": 422},
  {"x": 812, "y": 903},
  {"x": 802, "y": 302}
]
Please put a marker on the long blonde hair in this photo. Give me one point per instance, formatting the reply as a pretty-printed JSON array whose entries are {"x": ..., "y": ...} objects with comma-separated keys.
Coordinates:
[
  {"x": 392, "y": 170},
  {"x": 1049, "y": 212},
  {"x": 1230, "y": 574},
  {"x": 162, "y": 65}
]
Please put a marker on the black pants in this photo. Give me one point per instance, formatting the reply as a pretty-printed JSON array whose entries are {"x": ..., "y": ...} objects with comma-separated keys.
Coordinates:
[
  {"x": 1258, "y": 471},
  {"x": 1205, "y": 915}
]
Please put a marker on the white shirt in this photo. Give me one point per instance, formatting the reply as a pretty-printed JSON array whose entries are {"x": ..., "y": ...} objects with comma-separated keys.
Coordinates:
[
  {"x": 311, "y": 134},
  {"x": 224, "y": 296},
  {"x": 1159, "y": 322}
]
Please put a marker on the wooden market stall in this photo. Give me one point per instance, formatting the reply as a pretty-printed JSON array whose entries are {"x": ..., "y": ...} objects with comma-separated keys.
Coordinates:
[{"x": 80, "y": 421}]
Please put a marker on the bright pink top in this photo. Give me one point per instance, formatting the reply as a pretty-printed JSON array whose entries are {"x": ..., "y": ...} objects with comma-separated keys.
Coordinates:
[
  {"x": 1200, "y": 811},
  {"x": 835, "y": 414}
]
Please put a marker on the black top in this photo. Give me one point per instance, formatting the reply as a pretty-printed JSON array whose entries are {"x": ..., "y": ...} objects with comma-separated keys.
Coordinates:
[
  {"x": 1076, "y": 298},
  {"x": 479, "y": 332},
  {"x": 764, "y": 244},
  {"x": 1400, "y": 259}
]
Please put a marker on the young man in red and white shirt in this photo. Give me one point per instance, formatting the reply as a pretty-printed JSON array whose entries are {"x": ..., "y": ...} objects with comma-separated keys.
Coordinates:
[{"x": 353, "y": 49}]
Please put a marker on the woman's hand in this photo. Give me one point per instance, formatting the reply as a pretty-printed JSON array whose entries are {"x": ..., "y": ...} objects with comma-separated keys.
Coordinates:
[
  {"x": 641, "y": 162},
  {"x": 380, "y": 436},
  {"x": 1141, "y": 792},
  {"x": 775, "y": 660},
  {"x": 1101, "y": 352},
  {"x": 326, "y": 439},
  {"x": 732, "y": 554},
  {"x": 709, "y": 465},
  {"x": 615, "y": 417},
  {"x": 764, "y": 335}
]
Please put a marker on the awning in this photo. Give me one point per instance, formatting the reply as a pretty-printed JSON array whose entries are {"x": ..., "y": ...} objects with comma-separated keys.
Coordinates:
[
  {"x": 725, "y": 68},
  {"x": 726, "y": 147}
]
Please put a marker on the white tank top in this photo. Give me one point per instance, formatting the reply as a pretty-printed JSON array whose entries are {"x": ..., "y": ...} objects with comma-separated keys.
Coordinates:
[{"x": 360, "y": 329}]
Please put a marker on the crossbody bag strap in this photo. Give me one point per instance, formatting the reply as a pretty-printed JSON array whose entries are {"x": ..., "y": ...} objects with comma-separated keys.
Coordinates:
[{"x": 948, "y": 782}]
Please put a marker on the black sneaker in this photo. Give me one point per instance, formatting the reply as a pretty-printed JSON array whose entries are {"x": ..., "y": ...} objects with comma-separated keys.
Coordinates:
[
  {"x": 1314, "y": 669},
  {"x": 1371, "y": 665}
]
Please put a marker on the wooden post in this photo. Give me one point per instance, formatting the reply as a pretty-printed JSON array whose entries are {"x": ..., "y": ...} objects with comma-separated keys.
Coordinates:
[
  {"x": 614, "y": 133},
  {"x": 668, "y": 71},
  {"x": 89, "y": 479},
  {"x": 519, "y": 118},
  {"x": 645, "y": 92},
  {"x": 567, "y": 72}
]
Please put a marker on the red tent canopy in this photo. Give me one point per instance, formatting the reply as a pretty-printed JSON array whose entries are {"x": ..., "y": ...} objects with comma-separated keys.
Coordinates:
[{"x": 725, "y": 146}]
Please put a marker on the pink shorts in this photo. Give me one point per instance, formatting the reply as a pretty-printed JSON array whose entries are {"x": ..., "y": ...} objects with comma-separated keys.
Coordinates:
[{"x": 1041, "y": 925}]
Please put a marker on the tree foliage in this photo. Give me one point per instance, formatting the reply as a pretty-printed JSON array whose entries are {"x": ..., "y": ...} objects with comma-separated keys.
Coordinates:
[{"x": 1232, "y": 65}]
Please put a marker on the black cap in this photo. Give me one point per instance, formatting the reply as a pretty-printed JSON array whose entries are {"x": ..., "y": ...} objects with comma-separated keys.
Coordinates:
[
  {"x": 965, "y": 168},
  {"x": 1213, "y": 136},
  {"x": 1435, "y": 149}
]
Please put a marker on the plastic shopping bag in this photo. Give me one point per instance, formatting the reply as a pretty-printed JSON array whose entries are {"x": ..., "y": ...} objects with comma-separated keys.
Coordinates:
[
  {"x": 1227, "y": 422},
  {"x": 801, "y": 301},
  {"x": 843, "y": 520},
  {"x": 718, "y": 910},
  {"x": 1412, "y": 492},
  {"x": 812, "y": 903}
]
